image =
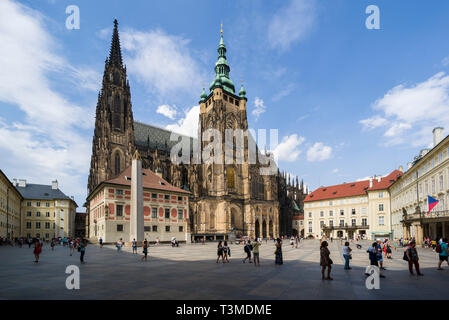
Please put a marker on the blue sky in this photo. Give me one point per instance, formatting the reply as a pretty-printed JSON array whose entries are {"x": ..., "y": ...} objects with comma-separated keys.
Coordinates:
[{"x": 348, "y": 102}]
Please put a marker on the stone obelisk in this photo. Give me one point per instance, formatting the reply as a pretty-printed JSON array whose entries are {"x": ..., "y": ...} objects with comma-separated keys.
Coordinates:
[{"x": 136, "y": 221}]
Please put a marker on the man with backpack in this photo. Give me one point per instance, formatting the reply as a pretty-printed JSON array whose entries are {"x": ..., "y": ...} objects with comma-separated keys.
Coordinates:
[
  {"x": 443, "y": 253},
  {"x": 411, "y": 255},
  {"x": 247, "y": 248}
]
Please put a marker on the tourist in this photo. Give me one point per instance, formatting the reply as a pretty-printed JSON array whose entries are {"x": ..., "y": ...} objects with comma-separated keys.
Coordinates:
[
  {"x": 278, "y": 252},
  {"x": 134, "y": 246},
  {"x": 100, "y": 241},
  {"x": 388, "y": 250},
  {"x": 347, "y": 255},
  {"x": 380, "y": 258},
  {"x": 82, "y": 249},
  {"x": 247, "y": 248},
  {"x": 412, "y": 258},
  {"x": 52, "y": 244},
  {"x": 256, "y": 245},
  {"x": 373, "y": 252},
  {"x": 37, "y": 250},
  {"x": 72, "y": 246},
  {"x": 292, "y": 241},
  {"x": 443, "y": 253},
  {"x": 119, "y": 245},
  {"x": 325, "y": 261},
  {"x": 145, "y": 249},
  {"x": 434, "y": 244},
  {"x": 157, "y": 241},
  {"x": 220, "y": 252},
  {"x": 225, "y": 251}
]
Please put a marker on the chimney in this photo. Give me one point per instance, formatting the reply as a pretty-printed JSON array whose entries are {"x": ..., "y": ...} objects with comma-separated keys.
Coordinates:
[
  {"x": 401, "y": 168},
  {"x": 437, "y": 135},
  {"x": 379, "y": 178},
  {"x": 370, "y": 182},
  {"x": 22, "y": 183},
  {"x": 159, "y": 173},
  {"x": 54, "y": 185}
]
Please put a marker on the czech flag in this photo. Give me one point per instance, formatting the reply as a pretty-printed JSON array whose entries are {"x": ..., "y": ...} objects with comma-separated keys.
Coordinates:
[{"x": 432, "y": 203}]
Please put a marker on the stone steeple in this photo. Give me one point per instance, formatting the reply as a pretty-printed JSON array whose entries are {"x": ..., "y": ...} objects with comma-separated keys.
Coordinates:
[{"x": 113, "y": 141}]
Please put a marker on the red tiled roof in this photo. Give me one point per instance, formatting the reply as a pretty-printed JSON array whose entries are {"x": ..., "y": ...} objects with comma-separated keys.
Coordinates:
[
  {"x": 352, "y": 188},
  {"x": 150, "y": 180}
]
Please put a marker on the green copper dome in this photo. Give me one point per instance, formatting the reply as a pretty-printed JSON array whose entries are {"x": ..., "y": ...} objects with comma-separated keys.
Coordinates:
[
  {"x": 203, "y": 96},
  {"x": 222, "y": 70},
  {"x": 242, "y": 92}
]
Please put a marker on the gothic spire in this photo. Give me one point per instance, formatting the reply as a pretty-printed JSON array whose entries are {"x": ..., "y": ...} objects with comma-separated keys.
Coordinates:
[
  {"x": 115, "y": 54},
  {"x": 222, "y": 69}
]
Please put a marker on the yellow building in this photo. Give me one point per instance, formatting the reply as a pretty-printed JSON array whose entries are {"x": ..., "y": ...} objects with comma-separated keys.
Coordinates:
[
  {"x": 10, "y": 203},
  {"x": 427, "y": 175},
  {"x": 46, "y": 212},
  {"x": 352, "y": 209}
]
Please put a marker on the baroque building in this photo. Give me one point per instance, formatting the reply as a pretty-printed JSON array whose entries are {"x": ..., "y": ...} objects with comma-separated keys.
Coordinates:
[{"x": 228, "y": 197}]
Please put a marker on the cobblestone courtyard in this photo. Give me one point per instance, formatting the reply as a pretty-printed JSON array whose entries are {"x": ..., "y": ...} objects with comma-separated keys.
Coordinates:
[{"x": 190, "y": 272}]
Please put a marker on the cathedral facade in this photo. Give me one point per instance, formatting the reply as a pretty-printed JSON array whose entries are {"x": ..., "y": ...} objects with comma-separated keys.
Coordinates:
[{"x": 228, "y": 197}]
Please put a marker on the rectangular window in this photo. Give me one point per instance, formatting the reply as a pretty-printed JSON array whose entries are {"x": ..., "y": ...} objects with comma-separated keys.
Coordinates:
[
  {"x": 47, "y": 235},
  {"x": 28, "y": 213},
  {"x": 119, "y": 192},
  {"x": 47, "y": 214},
  {"x": 179, "y": 198},
  {"x": 153, "y": 212},
  {"x": 433, "y": 185},
  {"x": 330, "y": 203},
  {"x": 154, "y": 196},
  {"x": 28, "y": 225},
  {"x": 364, "y": 210},
  {"x": 154, "y": 228},
  {"x": 167, "y": 197},
  {"x": 331, "y": 213},
  {"x": 47, "y": 204},
  {"x": 120, "y": 228},
  {"x": 38, "y": 204},
  {"x": 342, "y": 223},
  {"x": 441, "y": 182},
  {"x": 167, "y": 213},
  {"x": 310, "y": 214},
  {"x": 321, "y": 224},
  {"x": 381, "y": 220},
  {"x": 354, "y": 222},
  {"x": 28, "y": 203},
  {"x": 38, "y": 225},
  {"x": 342, "y": 212},
  {"x": 119, "y": 210},
  {"x": 167, "y": 228},
  {"x": 381, "y": 207},
  {"x": 381, "y": 194},
  {"x": 440, "y": 157},
  {"x": 353, "y": 211},
  {"x": 38, "y": 214},
  {"x": 180, "y": 213},
  {"x": 331, "y": 223},
  {"x": 47, "y": 225},
  {"x": 364, "y": 222},
  {"x": 321, "y": 213},
  {"x": 147, "y": 228},
  {"x": 181, "y": 229}
]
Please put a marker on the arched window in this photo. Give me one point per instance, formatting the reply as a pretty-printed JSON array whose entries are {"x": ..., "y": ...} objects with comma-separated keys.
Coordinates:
[{"x": 117, "y": 163}]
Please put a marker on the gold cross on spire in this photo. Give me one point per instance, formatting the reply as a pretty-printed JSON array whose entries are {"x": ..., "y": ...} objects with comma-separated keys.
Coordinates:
[{"x": 221, "y": 28}]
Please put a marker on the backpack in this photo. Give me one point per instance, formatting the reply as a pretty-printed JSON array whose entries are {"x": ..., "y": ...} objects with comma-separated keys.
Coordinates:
[
  {"x": 246, "y": 248},
  {"x": 438, "y": 249},
  {"x": 405, "y": 257}
]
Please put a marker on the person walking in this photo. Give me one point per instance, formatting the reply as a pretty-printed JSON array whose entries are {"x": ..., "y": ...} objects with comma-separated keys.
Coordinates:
[
  {"x": 225, "y": 251},
  {"x": 433, "y": 244},
  {"x": 278, "y": 253},
  {"x": 443, "y": 255},
  {"x": 220, "y": 252},
  {"x": 145, "y": 249},
  {"x": 380, "y": 258},
  {"x": 292, "y": 241},
  {"x": 247, "y": 248},
  {"x": 325, "y": 261},
  {"x": 72, "y": 246},
  {"x": 373, "y": 252},
  {"x": 37, "y": 250},
  {"x": 52, "y": 244},
  {"x": 347, "y": 255},
  {"x": 82, "y": 249},
  {"x": 134, "y": 245},
  {"x": 119, "y": 245},
  {"x": 100, "y": 241},
  {"x": 256, "y": 245},
  {"x": 411, "y": 255}
]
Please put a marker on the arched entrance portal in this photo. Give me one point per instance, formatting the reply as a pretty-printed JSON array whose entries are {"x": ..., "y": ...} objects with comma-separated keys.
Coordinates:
[
  {"x": 257, "y": 229},
  {"x": 264, "y": 229}
]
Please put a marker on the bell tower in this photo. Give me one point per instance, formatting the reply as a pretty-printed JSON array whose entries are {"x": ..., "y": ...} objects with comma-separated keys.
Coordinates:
[{"x": 113, "y": 140}]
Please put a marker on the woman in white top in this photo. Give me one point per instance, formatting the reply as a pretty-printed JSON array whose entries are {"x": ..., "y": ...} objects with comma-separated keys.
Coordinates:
[{"x": 347, "y": 255}]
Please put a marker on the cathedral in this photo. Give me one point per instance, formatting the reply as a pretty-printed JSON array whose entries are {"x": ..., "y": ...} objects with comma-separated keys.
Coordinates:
[{"x": 228, "y": 198}]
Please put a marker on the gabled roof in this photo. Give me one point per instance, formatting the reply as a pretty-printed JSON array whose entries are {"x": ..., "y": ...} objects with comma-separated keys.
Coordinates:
[
  {"x": 352, "y": 189},
  {"x": 150, "y": 180}
]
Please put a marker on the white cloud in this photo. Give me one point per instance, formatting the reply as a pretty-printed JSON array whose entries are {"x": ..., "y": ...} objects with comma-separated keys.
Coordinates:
[
  {"x": 288, "y": 150},
  {"x": 259, "y": 107},
  {"x": 168, "y": 111},
  {"x": 163, "y": 62},
  {"x": 47, "y": 143},
  {"x": 291, "y": 23},
  {"x": 319, "y": 152},
  {"x": 284, "y": 92},
  {"x": 189, "y": 124},
  {"x": 408, "y": 113},
  {"x": 336, "y": 170}
]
